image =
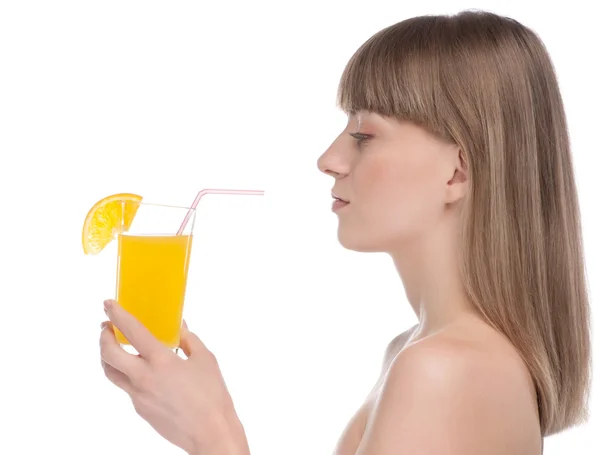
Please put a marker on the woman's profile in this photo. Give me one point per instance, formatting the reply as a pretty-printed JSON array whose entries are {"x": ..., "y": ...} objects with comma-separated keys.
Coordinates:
[{"x": 456, "y": 162}]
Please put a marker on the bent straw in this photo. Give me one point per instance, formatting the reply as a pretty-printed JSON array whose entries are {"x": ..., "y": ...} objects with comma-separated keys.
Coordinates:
[{"x": 214, "y": 191}]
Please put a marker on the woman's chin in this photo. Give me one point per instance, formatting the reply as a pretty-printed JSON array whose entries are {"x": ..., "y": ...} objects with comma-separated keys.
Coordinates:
[{"x": 356, "y": 241}]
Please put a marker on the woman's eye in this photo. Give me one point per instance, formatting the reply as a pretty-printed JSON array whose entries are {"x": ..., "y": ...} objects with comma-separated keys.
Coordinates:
[{"x": 360, "y": 138}]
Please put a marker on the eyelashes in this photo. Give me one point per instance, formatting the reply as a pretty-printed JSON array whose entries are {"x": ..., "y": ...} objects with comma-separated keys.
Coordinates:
[{"x": 361, "y": 138}]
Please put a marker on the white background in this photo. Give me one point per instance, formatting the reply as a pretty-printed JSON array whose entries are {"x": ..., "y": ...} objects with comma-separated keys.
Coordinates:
[{"x": 165, "y": 98}]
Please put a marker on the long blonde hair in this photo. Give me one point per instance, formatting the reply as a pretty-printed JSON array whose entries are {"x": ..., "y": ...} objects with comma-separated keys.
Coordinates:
[{"x": 486, "y": 83}]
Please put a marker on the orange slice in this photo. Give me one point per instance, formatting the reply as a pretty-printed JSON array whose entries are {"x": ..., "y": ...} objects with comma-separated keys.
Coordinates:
[{"x": 108, "y": 218}]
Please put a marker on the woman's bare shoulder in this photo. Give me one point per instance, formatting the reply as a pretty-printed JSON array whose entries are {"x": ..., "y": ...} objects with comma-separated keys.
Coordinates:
[
  {"x": 395, "y": 346},
  {"x": 461, "y": 391}
]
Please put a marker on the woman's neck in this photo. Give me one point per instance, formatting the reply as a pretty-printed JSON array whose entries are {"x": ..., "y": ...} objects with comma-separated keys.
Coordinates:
[{"x": 429, "y": 269}]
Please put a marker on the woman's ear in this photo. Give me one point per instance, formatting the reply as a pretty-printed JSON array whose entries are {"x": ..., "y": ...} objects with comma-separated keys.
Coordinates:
[{"x": 457, "y": 186}]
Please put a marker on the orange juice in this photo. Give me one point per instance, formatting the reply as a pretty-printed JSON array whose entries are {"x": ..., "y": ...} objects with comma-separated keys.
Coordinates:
[{"x": 151, "y": 282}]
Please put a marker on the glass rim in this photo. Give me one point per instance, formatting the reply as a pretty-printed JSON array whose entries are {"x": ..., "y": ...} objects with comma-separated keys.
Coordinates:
[{"x": 168, "y": 206}]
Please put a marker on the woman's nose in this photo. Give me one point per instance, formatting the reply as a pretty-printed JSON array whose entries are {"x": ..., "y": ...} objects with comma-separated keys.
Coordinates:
[{"x": 333, "y": 162}]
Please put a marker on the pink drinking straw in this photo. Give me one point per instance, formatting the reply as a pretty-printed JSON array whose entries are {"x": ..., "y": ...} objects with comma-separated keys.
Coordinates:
[{"x": 213, "y": 191}]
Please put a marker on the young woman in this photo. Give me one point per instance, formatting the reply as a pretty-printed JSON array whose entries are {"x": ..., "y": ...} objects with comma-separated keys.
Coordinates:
[{"x": 456, "y": 162}]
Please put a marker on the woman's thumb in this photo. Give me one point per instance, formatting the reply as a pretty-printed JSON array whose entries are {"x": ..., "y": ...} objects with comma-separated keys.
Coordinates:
[{"x": 189, "y": 342}]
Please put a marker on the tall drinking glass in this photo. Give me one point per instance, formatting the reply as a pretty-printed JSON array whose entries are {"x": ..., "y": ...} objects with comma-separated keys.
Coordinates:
[{"x": 152, "y": 269}]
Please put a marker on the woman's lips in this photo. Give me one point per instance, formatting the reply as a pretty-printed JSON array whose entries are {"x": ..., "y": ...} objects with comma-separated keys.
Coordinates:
[{"x": 338, "y": 204}]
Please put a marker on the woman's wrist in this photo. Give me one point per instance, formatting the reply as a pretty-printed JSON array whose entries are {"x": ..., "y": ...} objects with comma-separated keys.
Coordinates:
[{"x": 227, "y": 437}]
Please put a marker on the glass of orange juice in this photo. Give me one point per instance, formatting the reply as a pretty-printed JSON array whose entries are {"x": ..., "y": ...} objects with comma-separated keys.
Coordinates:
[{"x": 152, "y": 269}]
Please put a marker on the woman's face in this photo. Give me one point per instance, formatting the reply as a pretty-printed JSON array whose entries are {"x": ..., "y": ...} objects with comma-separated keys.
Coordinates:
[{"x": 398, "y": 179}]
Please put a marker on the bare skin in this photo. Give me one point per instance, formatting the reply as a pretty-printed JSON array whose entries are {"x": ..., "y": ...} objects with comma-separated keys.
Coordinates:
[{"x": 500, "y": 386}]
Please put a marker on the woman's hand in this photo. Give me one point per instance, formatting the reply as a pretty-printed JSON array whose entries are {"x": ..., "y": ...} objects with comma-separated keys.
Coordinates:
[{"x": 185, "y": 401}]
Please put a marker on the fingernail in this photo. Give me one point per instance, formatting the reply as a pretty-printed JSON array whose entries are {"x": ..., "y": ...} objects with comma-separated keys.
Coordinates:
[
  {"x": 184, "y": 324},
  {"x": 107, "y": 305},
  {"x": 103, "y": 325}
]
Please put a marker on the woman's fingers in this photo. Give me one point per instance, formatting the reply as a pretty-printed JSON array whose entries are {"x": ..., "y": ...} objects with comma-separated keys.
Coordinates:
[
  {"x": 113, "y": 355},
  {"x": 135, "y": 332},
  {"x": 117, "y": 378}
]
